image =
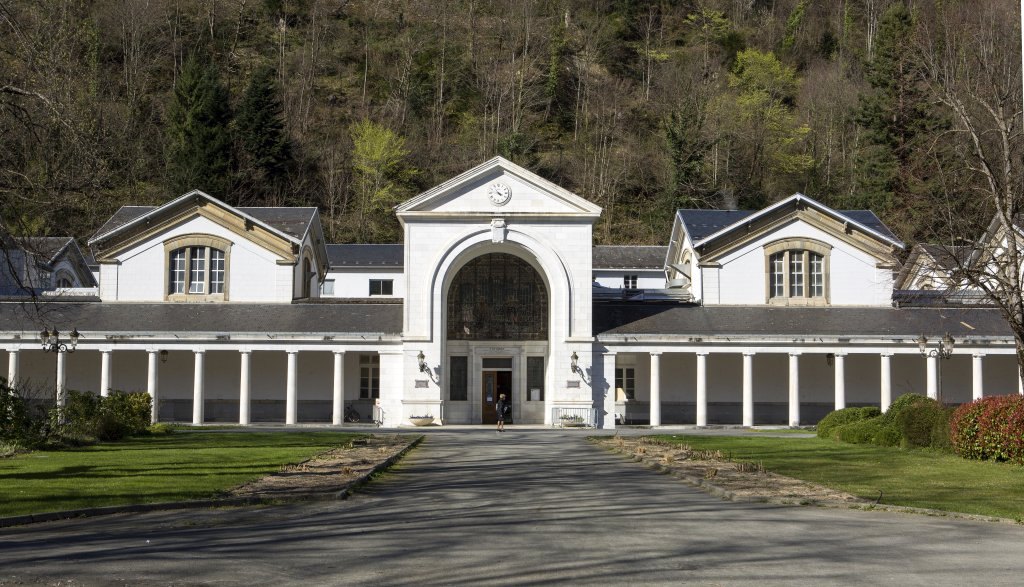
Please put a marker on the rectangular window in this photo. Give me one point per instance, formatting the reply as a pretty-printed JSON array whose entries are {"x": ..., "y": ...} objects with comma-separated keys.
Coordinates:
[
  {"x": 817, "y": 275},
  {"x": 796, "y": 274},
  {"x": 777, "y": 268},
  {"x": 381, "y": 287},
  {"x": 535, "y": 378},
  {"x": 328, "y": 287},
  {"x": 197, "y": 270},
  {"x": 629, "y": 282},
  {"x": 369, "y": 376},
  {"x": 216, "y": 271},
  {"x": 625, "y": 382},
  {"x": 177, "y": 284},
  {"x": 458, "y": 381}
]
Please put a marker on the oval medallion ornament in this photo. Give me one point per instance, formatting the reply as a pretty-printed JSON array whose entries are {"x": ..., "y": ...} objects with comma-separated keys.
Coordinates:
[{"x": 499, "y": 194}]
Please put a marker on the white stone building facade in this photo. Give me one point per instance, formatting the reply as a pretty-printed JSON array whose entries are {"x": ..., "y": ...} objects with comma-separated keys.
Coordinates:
[{"x": 777, "y": 316}]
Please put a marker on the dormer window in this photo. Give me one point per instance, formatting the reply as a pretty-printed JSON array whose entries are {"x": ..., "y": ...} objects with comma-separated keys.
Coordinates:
[
  {"x": 197, "y": 268},
  {"x": 797, "y": 272}
]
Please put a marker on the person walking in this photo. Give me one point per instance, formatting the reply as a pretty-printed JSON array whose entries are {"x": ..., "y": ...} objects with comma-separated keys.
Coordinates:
[{"x": 503, "y": 409}]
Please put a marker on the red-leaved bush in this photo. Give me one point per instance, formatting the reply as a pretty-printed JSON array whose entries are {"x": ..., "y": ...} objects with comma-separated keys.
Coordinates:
[{"x": 990, "y": 428}]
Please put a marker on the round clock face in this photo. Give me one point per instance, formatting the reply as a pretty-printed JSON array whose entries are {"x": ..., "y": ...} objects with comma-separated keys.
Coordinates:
[{"x": 499, "y": 194}]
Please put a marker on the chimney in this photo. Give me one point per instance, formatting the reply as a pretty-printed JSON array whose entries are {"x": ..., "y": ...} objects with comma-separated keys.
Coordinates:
[{"x": 728, "y": 199}]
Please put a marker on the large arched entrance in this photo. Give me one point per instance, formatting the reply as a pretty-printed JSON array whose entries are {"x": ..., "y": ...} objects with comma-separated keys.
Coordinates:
[{"x": 497, "y": 328}]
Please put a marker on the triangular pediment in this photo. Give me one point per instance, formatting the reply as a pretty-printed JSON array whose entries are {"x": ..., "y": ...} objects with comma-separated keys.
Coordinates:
[{"x": 498, "y": 188}]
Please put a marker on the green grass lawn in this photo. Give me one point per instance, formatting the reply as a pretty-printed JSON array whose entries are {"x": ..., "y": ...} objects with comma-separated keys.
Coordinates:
[
  {"x": 192, "y": 465},
  {"x": 916, "y": 478}
]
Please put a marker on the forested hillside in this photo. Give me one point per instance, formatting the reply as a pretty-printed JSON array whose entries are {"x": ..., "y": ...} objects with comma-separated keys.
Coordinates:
[{"x": 641, "y": 107}]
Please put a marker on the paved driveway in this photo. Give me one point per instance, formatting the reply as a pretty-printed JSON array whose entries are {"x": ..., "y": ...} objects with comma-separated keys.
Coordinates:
[{"x": 525, "y": 507}]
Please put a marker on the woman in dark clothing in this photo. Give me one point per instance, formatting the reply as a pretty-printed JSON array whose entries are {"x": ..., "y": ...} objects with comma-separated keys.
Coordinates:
[{"x": 503, "y": 409}]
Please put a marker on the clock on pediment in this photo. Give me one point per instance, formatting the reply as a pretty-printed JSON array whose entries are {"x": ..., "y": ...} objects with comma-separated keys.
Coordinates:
[{"x": 499, "y": 193}]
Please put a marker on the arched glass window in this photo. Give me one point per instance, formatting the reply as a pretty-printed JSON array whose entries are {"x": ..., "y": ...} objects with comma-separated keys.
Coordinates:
[
  {"x": 797, "y": 272},
  {"x": 197, "y": 268},
  {"x": 497, "y": 297}
]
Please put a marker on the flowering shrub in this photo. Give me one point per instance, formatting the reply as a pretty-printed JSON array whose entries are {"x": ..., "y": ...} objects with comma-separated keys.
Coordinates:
[{"x": 990, "y": 428}]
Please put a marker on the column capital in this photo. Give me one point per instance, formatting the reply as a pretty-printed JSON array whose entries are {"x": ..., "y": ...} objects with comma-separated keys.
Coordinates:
[
  {"x": 199, "y": 351},
  {"x": 795, "y": 353},
  {"x": 292, "y": 351},
  {"x": 887, "y": 355},
  {"x": 749, "y": 353},
  {"x": 338, "y": 352},
  {"x": 837, "y": 355},
  {"x": 245, "y": 351},
  {"x": 978, "y": 355},
  {"x": 655, "y": 353}
]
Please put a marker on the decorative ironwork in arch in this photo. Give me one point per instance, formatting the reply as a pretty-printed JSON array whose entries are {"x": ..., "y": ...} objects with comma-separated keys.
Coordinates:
[{"x": 497, "y": 297}]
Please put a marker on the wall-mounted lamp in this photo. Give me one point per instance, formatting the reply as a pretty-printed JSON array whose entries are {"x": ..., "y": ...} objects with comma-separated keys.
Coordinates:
[
  {"x": 830, "y": 359},
  {"x": 163, "y": 356},
  {"x": 50, "y": 339},
  {"x": 944, "y": 351},
  {"x": 422, "y": 360},
  {"x": 575, "y": 366}
]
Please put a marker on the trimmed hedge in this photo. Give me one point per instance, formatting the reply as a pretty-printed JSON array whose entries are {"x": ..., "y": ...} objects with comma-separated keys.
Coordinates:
[
  {"x": 108, "y": 418},
  {"x": 838, "y": 418},
  {"x": 991, "y": 428},
  {"x": 912, "y": 421}
]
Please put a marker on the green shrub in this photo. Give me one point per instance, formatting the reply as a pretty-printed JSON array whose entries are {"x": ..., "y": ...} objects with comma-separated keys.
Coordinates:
[
  {"x": 87, "y": 417},
  {"x": 159, "y": 429},
  {"x": 912, "y": 421},
  {"x": 990, "y": 428},
  {"x": 833, "y": 420},
  {"x": 21, "y": 425}
]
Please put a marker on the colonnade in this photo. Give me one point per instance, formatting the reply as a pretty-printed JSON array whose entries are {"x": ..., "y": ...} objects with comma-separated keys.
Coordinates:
[
  {"x": 932, "y": 384},
  {"x": 198, "y": 384}
]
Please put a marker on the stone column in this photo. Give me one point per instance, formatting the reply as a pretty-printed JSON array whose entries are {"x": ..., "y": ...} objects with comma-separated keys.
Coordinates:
[
  {"x": 12, "y": 367},
  {"x": 748, "y": 389},
  {"x": 609, "y": 399},
  {"x": 62, "y": 378},
  {"x": 655, "y": 389},
  {"x": 702, "y": 389},
  {"x": 933, "y": 377},
  {"x": 840, "y": 364},
  {"x": 245, "y": 389},
  {"x": 291, "y": 397},
  {"x": 977, "y": 377},
  {"x": 197, "y": 389},
  {"x": 885, "y": 398},
  {"x": 105, "y": 373},
  {"x": 338, "y": 411},
  {"x": 794, "y": 389},
  {"x": 152, "y": 385}
]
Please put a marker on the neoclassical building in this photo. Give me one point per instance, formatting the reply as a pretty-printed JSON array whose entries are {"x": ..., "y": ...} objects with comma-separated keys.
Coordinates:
[{"x": 777, "y": 316}]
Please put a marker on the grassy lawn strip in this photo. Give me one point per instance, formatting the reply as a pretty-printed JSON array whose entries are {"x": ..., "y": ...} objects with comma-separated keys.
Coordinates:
[
  {"x": 915, "y": 478},
  {"x": 174, "y": 467}
]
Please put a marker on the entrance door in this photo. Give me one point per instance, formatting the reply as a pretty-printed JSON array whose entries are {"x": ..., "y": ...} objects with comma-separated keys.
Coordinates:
[{"x": 495, "y": 383}]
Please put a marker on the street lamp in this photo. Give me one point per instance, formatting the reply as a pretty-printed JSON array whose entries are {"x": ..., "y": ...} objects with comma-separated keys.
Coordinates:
[
  {"x": 575, "y": 366},
  {"x": 422, "y": 360},
  {"x": 944, "y": 351},
  {"x": 50, "y": 339}
]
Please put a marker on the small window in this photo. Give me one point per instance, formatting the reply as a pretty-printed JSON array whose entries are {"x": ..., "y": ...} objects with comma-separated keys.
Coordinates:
[
  {"x": 797, "y": 272},
  {"x": 625, "y": 383},
  {"x": 458, "y": 384},
  {"x": 328, "y": 289},
  {"x": 381, "y": 287},
  {"x": 535, "y": 378},
  {"x": 629, "y": 282},
  {"x": 369, "y": 376}
]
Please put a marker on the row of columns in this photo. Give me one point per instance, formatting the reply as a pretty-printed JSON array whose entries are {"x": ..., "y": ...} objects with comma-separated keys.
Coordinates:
[
  {"x": 198, "y": 387},
  {"x": 885, "y": 399}
]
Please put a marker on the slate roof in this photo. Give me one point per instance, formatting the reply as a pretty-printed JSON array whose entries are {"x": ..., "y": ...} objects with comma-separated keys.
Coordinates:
[
  {"x": 47, "y": 246},
  {"x": 291, "y": 221},
  {"x": 353, "y": 255},
  {"x": 628, "y": 257},
  {"x": 124, "y": 215},
  {"x": 129, "y": 318},
  {"x": 638, "y": 319},
  {"x": 703, "y": 223}
]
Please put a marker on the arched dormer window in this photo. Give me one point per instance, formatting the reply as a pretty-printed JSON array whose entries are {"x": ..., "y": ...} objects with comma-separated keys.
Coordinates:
[
  {"x": 797, "y": 272},
  {"x": 197, "y": 268},
  {"x": 307, "y": 276},
  {"x": 63, "y": 280}
]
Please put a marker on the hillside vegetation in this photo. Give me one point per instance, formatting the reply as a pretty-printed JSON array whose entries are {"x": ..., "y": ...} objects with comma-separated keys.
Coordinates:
[{"x": 640, "y": 107}]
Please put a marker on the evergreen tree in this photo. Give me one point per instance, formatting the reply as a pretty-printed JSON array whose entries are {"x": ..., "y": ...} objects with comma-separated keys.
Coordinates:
[
  {"x": 264, "y": 151},
  {"x": 893, "y": 164},
  {"x": 198, "y": 138}
]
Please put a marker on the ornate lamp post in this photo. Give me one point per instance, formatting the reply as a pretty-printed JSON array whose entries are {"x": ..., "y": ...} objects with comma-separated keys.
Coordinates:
[
  {"x": 943, "y": 351},
  {"x": 50, "y": 339}
]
